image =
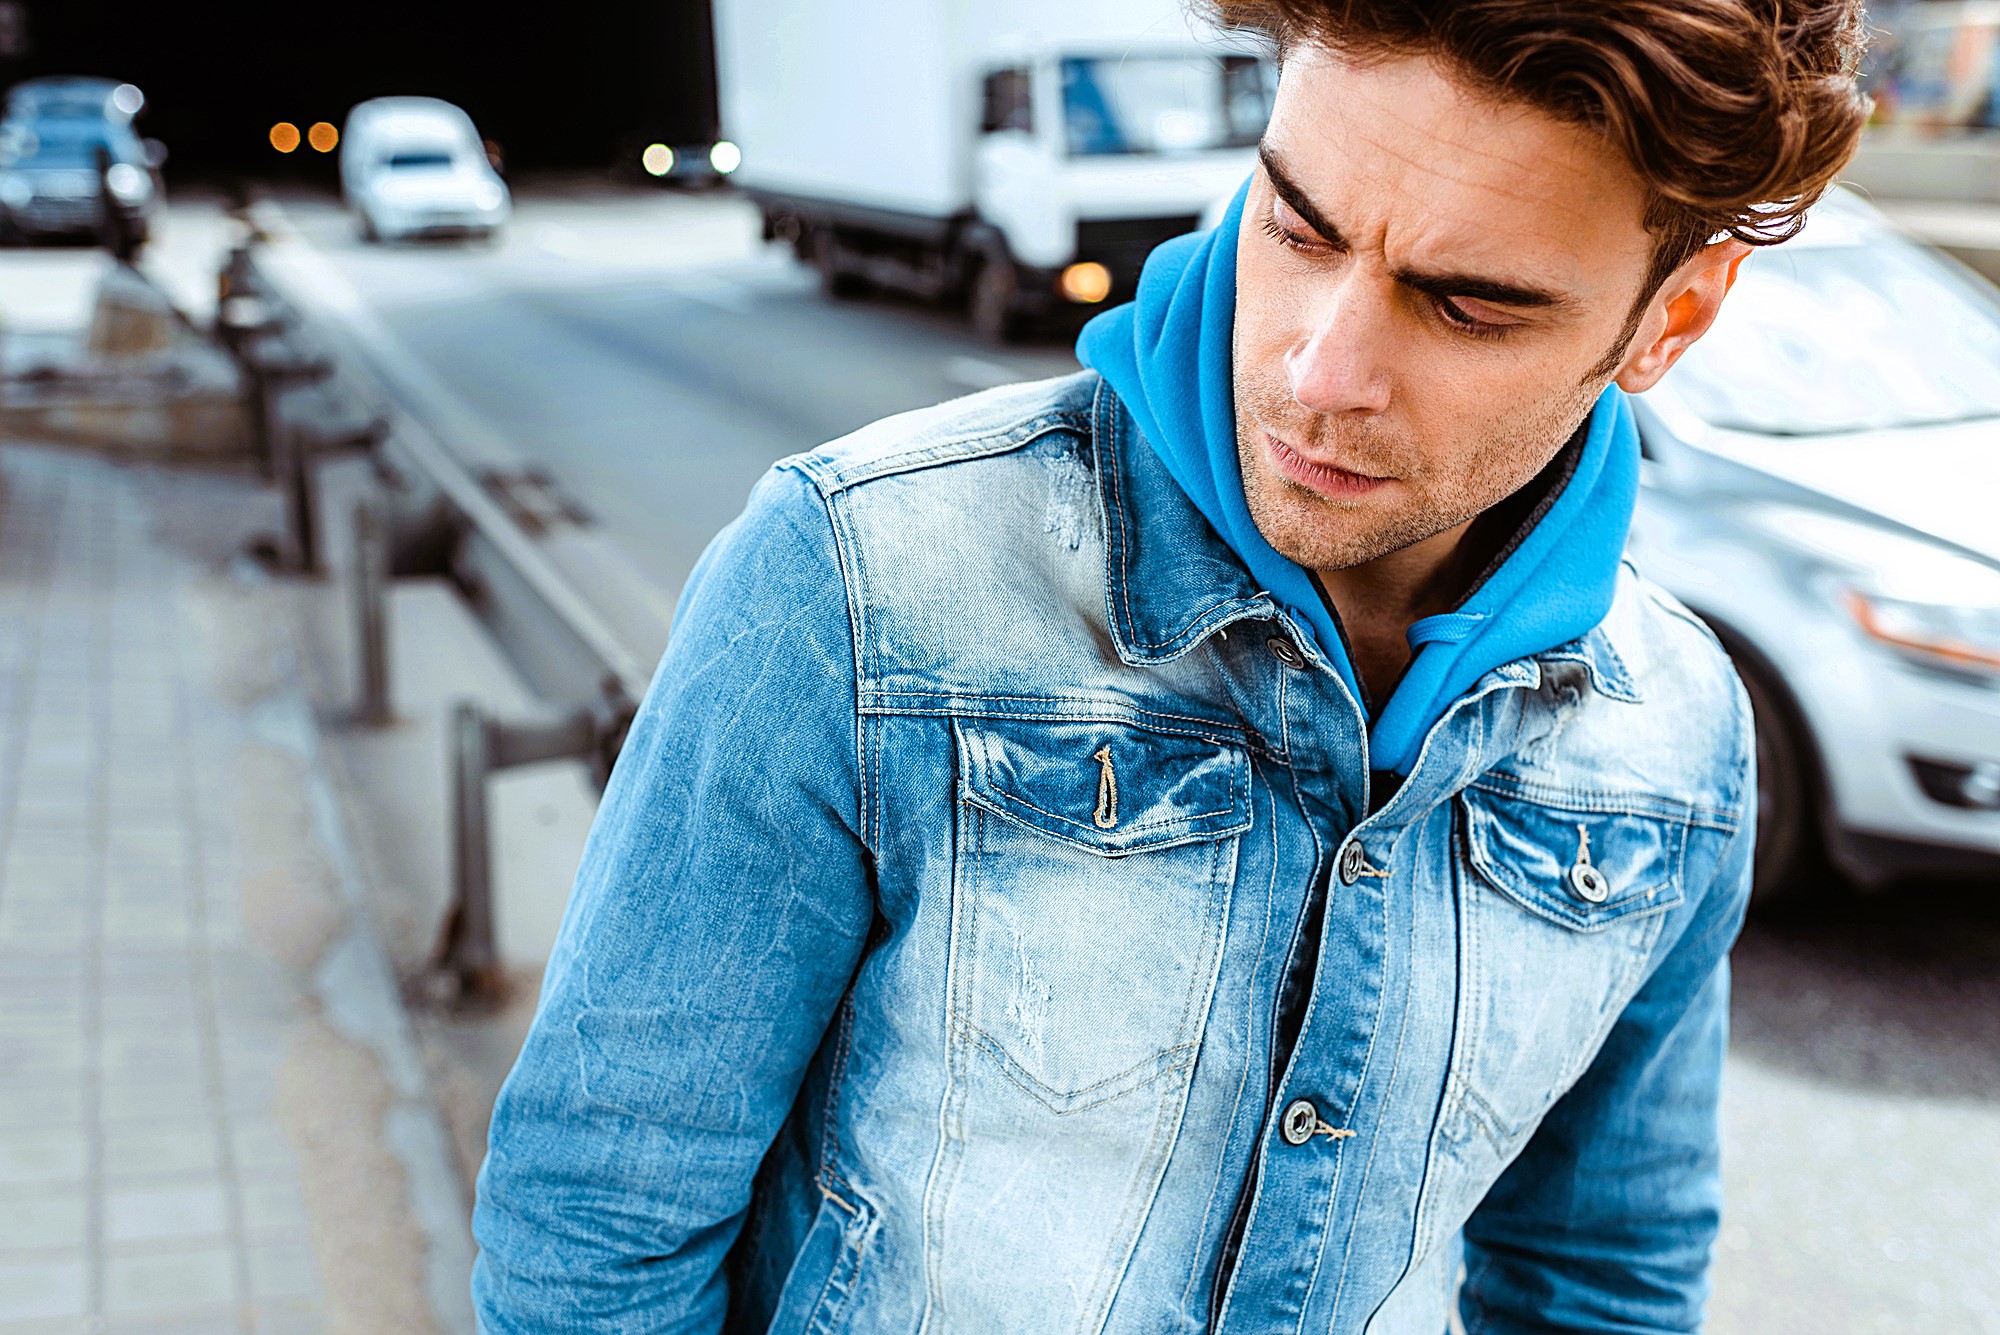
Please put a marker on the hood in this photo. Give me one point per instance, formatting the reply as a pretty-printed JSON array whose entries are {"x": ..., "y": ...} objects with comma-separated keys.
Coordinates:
[
  {"x": 1941, "y": 480},
  {"x": 1167, "y": 357}
]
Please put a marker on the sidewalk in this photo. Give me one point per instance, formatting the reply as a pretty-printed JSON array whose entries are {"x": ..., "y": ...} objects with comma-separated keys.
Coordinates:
[{"x": 213, "y": 1116}]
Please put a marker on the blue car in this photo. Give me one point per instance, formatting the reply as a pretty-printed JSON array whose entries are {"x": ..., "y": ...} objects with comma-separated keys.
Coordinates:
[{"x": 68, "y": 151}]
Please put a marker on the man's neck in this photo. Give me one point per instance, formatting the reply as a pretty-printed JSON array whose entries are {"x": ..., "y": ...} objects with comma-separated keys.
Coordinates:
[{"x": 1378, "y": 600}]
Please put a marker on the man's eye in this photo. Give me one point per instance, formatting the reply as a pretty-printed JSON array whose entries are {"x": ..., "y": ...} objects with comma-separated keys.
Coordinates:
[
  {"x": 1459, "y": 318},
  {"x": 1291, "y": 240}
]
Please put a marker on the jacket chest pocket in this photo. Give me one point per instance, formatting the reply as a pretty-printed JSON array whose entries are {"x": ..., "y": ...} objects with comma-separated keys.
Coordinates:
[
  {"x": 1558, "y": 916},
  {"x": 1094, "y": 867}
]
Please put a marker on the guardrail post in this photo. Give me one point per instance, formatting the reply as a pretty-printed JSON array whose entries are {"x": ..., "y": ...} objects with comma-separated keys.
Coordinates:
[
  {"x": 298, "y": 546},
  {"x": 371, "y": 620},
  {"x": 467, "y": 958}
]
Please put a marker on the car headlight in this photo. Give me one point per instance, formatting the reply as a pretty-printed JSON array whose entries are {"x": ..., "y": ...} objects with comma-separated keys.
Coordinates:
[
  {"x": 1924, "y": 602},
  {"x": 489, "y": 196},
  {"x": 16, "y": 191},
  {"x": 1947, "y": 635},
  {"x": 127, "y": 183}
]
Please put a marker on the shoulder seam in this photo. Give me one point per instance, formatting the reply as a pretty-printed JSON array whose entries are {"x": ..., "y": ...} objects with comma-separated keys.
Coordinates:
[{"x": 832, "y": 479}]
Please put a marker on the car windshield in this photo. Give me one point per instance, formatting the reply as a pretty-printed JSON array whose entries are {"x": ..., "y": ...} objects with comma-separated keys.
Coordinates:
[
  {"x": 1163, "y": 104},
  {"x": 1821, "y": 339},
  {"x": 56, "y": 144},
  {"x": 415, "y": 159}
]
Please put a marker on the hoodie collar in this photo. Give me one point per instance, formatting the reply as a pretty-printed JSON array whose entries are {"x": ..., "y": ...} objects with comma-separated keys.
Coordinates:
[{"x": 1173, "y": 581}]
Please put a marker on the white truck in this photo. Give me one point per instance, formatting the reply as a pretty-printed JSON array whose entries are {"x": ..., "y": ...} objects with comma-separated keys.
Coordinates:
[{"x": 1022, "y": 157}]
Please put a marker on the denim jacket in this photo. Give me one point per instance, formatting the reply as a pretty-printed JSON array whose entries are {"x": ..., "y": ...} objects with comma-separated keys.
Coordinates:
[{"x": 924, "y": 972}]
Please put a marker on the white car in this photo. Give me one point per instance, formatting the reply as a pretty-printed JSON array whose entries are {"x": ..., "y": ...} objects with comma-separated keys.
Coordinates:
[
  {"x": 415, "y": 166},
  {"x": 1822, "y": 485}
]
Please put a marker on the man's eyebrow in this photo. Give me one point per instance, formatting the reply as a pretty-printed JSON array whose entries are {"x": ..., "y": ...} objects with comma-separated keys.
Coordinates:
[
  {"x": 1494, "y": 290},
  {"x": 1296, "y": 199},
  {"x": 1480, "y": 289}
]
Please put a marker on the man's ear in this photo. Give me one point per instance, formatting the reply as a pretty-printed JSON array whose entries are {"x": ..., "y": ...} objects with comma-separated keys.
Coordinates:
[{"x": 1680, "y": 312}]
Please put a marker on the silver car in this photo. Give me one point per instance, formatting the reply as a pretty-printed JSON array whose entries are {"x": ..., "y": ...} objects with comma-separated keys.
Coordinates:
[{"x": 1822, "y": 484}]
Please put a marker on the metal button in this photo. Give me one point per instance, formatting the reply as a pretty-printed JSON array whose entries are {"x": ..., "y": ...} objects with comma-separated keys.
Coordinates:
[
  {"x": 1589, "y": 883},
  {"x": 1299, "y": 1121},
  {"x": 1285, "y": 651},
  {"x": 1352, "y": 860}
]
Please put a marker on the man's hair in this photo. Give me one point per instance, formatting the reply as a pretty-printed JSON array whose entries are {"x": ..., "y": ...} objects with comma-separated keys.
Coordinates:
[{"x": 1738, "y": 114}]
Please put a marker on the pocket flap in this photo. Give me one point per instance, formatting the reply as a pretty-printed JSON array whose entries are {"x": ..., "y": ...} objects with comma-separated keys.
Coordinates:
[
  {"x": 1530, "y": 852},
  {"x": 1110, "y": 787}
]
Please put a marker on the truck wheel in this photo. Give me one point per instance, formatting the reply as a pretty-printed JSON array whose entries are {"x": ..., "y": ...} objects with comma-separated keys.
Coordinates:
[
  {"x": 1787, "y": 860},
  {"x": 836, "y": 280},
  {"x": 992, "y": 303}
]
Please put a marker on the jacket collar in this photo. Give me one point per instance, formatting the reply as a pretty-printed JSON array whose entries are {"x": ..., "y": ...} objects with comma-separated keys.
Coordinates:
[{"x": 1173, "y": 582}]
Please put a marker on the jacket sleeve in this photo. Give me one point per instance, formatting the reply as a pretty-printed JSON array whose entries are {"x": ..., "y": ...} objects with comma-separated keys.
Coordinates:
[
  {"x": 1606, "y": 1220},
  {"x": 718, "y": 915}
]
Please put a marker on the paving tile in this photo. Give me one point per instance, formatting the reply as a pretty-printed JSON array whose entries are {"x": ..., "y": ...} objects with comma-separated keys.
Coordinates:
[
  {"x": 146, "y": 1147},
  {"x": 146, "y": 878},
  {"x": 32, "y": 928},
  {"x": 30, "y": 1054},
  {"x": 43, "y": 843},
  {"x": 38, "y": 1155},
  {"x": 63, "y": 808},
  {"x": 206, "y": 1321},
  {"x": 154, "y": 1284},
  {"x": 61, "y": 1325},
  {"x": 130, "y": 840},
  {"x": 133, "y": 1214},
  {"x": 179, "y": 1008},
  {"x": 41, "y": 1289},
  {"x": 148, "y": 893},
  {"x": 42, "y": 964},
  {"x": 273, "y": 1207},
  {"x": 171, "y": 1049},
  {"x": 38, "y": 1217},
  {"x": 67, "y": 870},
  {"x": 286, "y": 1318},
  {"x": 259, "y": 1145},
  {"x": 283, "y": 1270},
  {"x": 182, "y": 1098},
  {"x": 44, "y": 1106},
  {"x": 147, "y": 926}
]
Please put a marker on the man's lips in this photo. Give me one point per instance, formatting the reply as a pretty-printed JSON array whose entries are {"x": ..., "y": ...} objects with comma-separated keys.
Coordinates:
[{"x": 1327, "y": 480}]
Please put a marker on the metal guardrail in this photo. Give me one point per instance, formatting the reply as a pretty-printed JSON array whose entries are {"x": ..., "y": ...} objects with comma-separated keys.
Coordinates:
[{"x": 432, "y": 515}]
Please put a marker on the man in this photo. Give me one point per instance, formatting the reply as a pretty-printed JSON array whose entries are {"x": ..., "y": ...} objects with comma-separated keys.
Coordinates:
[{"x": 1218, "y": 842}]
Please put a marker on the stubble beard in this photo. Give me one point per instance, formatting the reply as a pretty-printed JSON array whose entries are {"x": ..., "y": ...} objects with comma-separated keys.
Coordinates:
[{"x": 1430, "y": 495}]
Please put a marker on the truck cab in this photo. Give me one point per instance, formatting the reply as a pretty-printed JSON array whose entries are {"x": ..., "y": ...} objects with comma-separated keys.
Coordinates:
[{"x": 1087, "y": 160}]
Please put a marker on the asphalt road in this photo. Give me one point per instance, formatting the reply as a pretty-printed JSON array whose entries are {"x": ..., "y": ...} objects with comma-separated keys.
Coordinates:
[
  {"x": 655, "y": 358},
  {"x": 654, "y": 355}
]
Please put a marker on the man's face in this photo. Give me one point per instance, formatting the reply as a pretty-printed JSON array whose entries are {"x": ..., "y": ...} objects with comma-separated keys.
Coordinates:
[{"x": 1428, "y": 284}]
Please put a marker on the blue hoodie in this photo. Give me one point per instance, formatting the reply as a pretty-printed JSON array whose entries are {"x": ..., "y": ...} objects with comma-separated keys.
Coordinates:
[{"x": 1167, "y": 357}]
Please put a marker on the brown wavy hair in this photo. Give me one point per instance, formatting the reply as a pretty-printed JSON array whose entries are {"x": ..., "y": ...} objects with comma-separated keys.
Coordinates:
[{"x": 1737, "y": 113}]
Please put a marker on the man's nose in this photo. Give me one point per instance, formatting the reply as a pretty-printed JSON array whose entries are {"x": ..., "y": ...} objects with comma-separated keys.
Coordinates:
[{"x": 1341, "y": 364}]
